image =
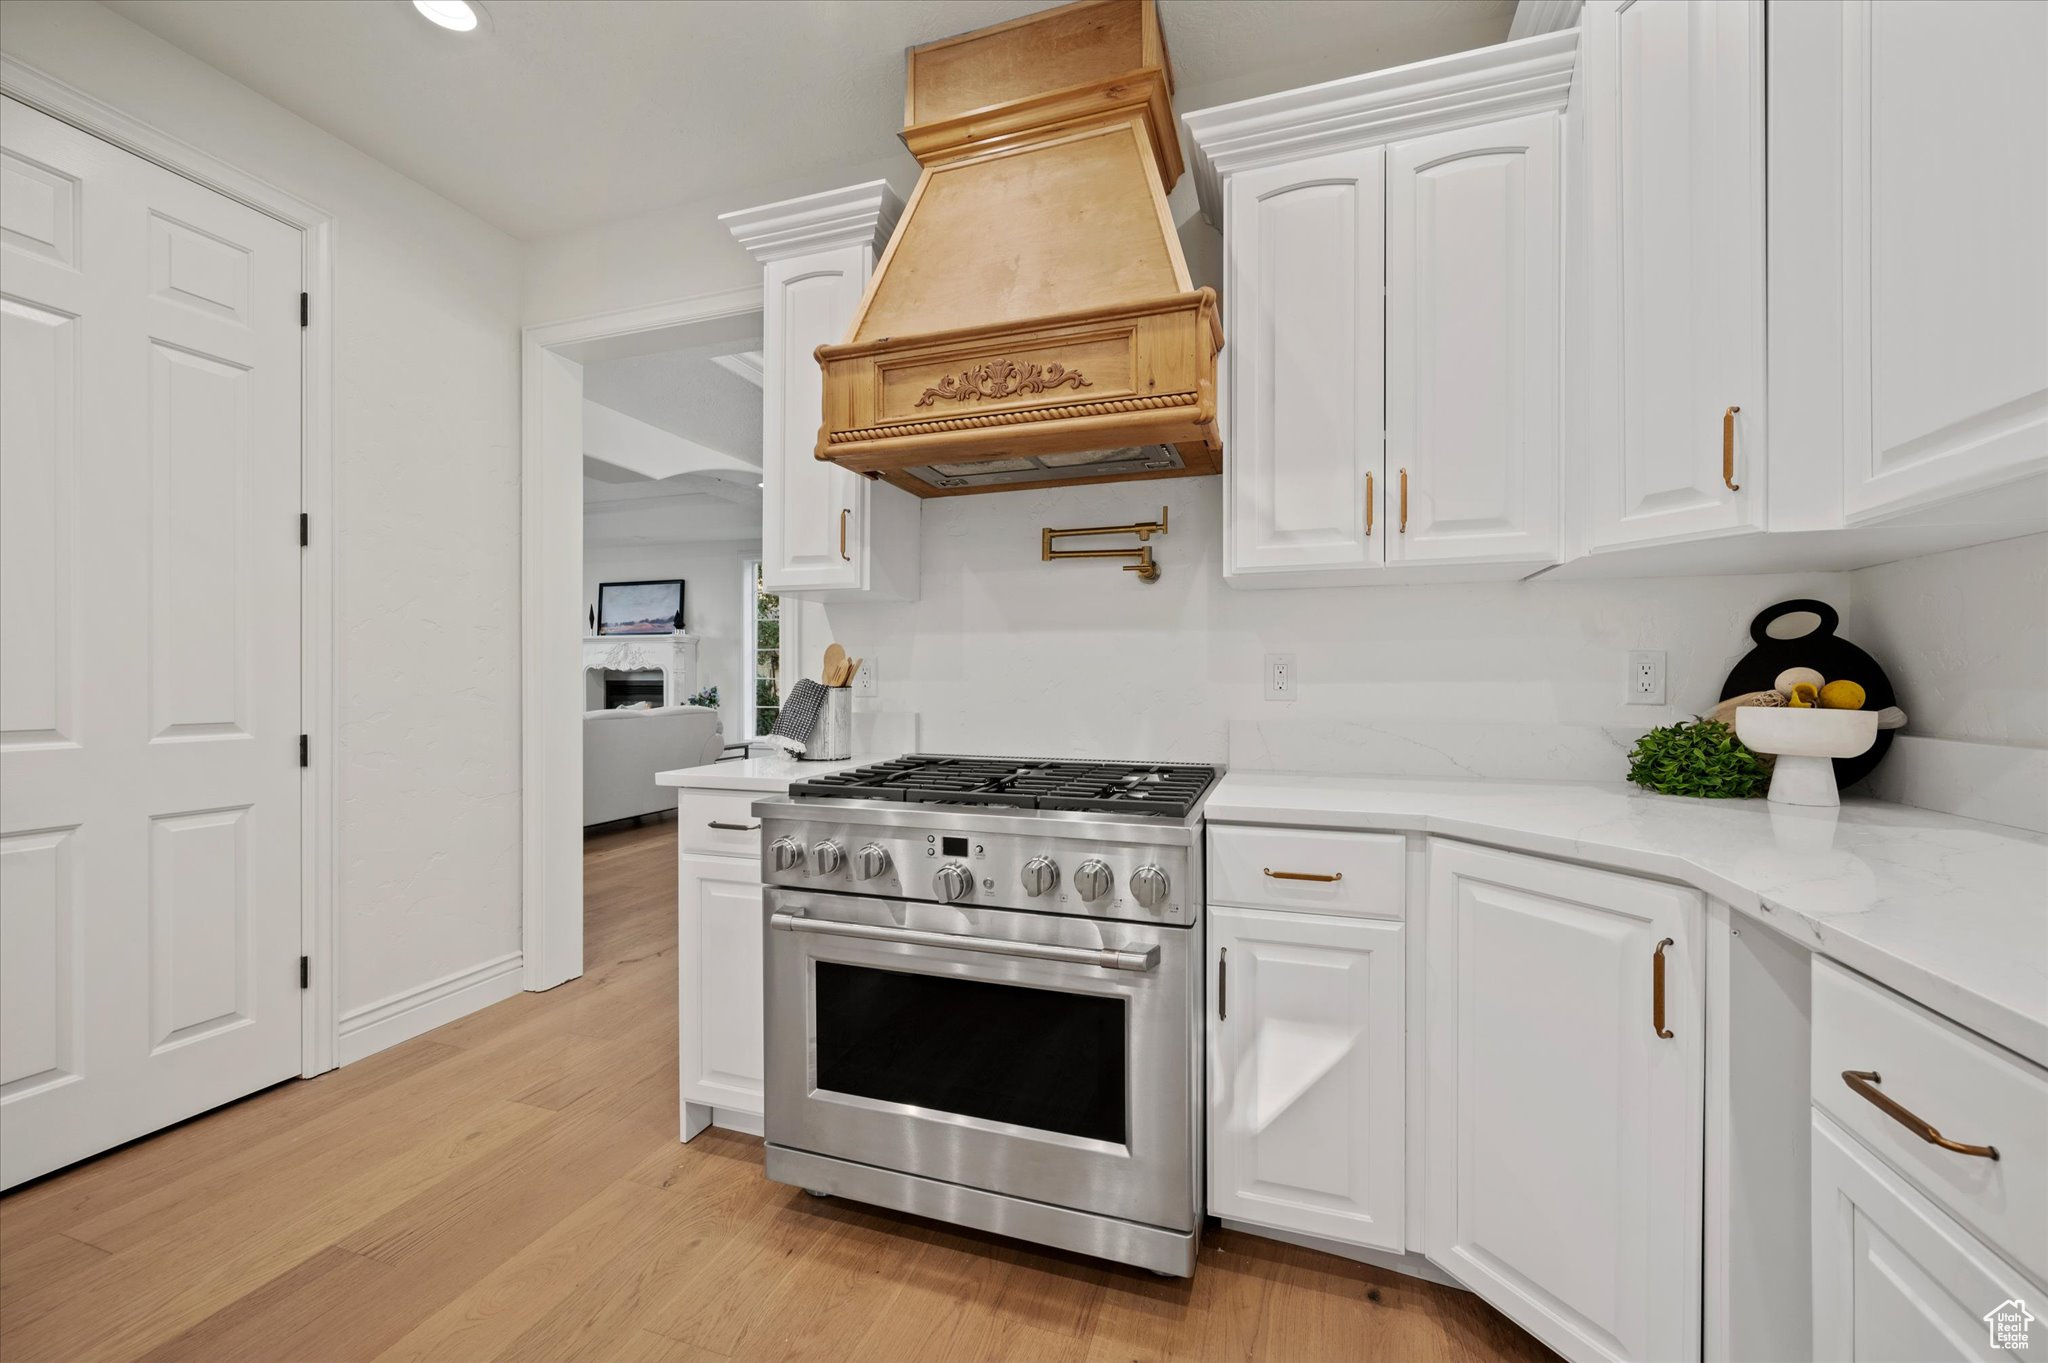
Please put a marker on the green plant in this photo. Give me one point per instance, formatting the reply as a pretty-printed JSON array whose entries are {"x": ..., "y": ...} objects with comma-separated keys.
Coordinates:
[
  {"x": 1701, "y": 757},
  {"x": 707, "y": 698}
]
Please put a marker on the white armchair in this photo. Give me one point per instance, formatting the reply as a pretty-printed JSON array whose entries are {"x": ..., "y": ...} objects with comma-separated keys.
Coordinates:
[{"x": 623, "y": 749}]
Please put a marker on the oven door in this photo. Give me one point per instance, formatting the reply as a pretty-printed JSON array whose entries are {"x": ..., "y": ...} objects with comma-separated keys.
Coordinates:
[{"x": 1035, "y": 1056}]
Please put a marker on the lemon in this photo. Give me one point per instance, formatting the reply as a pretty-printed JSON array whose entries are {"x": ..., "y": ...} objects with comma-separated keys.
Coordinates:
[
  {"x": 1803, "y": 695},
  {"x": 1841, "y": 695}
]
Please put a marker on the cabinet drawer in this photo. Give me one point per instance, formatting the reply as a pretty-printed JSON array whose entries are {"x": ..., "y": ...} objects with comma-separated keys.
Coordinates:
[
  {"x": 719, "y": 821},
  {"x": 1961, "y": 1085},
  {"x": 1364, "y": 874}
]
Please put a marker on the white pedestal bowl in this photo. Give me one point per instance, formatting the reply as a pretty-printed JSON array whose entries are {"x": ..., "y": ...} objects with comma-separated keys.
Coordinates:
[{"x": 1806, "y": 743}]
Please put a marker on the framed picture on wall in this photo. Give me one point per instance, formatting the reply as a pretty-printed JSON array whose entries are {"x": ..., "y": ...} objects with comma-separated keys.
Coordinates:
[{"x": 640, "y": 607}]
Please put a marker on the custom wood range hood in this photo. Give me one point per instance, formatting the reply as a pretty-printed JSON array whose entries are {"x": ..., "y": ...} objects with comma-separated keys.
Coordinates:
[{"x": 1032, "y": 321}]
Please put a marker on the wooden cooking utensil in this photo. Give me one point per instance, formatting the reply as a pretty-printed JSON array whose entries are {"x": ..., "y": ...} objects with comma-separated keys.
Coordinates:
[
  {"x": 852, "y": 671},
  {"x": 835, "y": 656}
]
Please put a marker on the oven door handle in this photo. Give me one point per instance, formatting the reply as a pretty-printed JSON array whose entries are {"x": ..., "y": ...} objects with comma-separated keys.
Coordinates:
[{"x": 1109, "y": 958}]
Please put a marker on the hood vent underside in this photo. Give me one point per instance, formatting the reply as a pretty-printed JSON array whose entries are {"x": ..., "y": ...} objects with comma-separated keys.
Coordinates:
[{"x": 1032, "y": 320}]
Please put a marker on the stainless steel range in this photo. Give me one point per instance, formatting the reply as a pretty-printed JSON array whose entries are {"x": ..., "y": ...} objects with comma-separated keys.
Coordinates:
[{"x": 984, "y": 996}]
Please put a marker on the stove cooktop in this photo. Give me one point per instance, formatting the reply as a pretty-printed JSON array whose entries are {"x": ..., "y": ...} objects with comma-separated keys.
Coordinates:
[{"x": 1171, "y": 789}]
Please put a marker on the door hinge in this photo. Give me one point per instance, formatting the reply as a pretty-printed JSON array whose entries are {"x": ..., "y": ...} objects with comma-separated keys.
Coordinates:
[
  {"x": 305, "y": 530},
  {"x": 305, "y": 751},
  {"x": 305, "y": 973},
  {"x": 305, "y": 310}
]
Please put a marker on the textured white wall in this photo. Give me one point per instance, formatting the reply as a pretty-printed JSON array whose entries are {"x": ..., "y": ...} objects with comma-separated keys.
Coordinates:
[
  {"x": 712, "y": 600},
  {"x": 1964, "y": 638},
  {"x": 1007, "y": 654},
  {"x": 426, "y": 469}
]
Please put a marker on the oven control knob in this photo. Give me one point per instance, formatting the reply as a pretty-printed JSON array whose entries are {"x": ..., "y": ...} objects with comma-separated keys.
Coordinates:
[
  {"x": 787, "y": 853},
  {"x": 870, "y": 861},
  {"x": 1148, "y": 883},
  {"x": 953, "y": 882},
  {"x": 1092, "y": 879},
  {"x": 826, "y": 858},
  {"x": 1040, "y": 875}
]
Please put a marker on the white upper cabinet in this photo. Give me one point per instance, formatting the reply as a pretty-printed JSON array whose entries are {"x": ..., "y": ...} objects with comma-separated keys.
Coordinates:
[
  {"x": 1944, "y": 248},
  {"x": 1674, "y": 106},
  {"x": 826, "y": 533},
  {"x": 1303, "y": 246},
  {"x": 1565, "y": 1087},
  {"x": 1390, "y": 293},
  {"x": 1472, "y": 344}
]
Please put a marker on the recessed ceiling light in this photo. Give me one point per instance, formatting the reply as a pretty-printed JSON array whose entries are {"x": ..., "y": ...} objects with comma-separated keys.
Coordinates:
[{"x": 459, "y": 15}]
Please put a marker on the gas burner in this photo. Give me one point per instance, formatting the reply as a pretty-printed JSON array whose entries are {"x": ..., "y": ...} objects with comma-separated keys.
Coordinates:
[{"x": 1169, "y": 789}]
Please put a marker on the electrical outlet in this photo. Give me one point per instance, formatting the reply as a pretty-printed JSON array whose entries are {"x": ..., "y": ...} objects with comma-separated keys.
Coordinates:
[
  {"x": 1646, "y": 676},
  {"x": 1279, "y": 676},
  {"x": 864, "y": 682}
]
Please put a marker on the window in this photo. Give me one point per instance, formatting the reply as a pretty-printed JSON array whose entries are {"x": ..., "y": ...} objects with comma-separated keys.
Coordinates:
[{"x": 763, "y": 691}]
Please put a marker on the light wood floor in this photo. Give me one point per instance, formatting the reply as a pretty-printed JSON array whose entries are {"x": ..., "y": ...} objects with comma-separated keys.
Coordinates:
[{"x": 511, "y": 1187}]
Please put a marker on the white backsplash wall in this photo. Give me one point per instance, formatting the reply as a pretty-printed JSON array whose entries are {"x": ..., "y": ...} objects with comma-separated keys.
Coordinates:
[
  {"x": 1007, "y": 654},
  {"x": 1964, "y": 638},
  {"x": 712, "y": 576}
]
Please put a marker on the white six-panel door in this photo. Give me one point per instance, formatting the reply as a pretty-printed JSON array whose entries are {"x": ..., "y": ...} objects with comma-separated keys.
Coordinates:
[
  {"x": 149, "y": 646},
  {"x": 1307, "y": 1094},
  {"x": 1303, "y": 249},
  {"x": 1675, "y": 140},
  {"x": 1564, "y": 1132},
  {"x": 1472, "y": 344}
]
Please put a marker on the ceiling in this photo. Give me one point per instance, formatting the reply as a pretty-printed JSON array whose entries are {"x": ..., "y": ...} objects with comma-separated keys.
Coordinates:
[{"x": 555, "y": 116}]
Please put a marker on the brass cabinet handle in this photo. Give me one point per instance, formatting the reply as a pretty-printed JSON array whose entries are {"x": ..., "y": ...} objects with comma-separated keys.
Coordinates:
[
  {"x": 734, "y": 827},
  {"x": 1728, "y": 449},
  {"x": 844, "y": 512},
  {"x": 1863, "y": 1083},
  {"x": 1368, "y": 506},
  {"x": 1301, "y": 875},
  {"x": 1657, "y": 991},
  {"x": 1222, "y": 983},
  {"x": 1404, "y": 501}
]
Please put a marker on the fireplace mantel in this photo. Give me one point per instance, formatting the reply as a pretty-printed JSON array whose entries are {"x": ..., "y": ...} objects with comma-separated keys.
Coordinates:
[{"x": 672, "y": 655}]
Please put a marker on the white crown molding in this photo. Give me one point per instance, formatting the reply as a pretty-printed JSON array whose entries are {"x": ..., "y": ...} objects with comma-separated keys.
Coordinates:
[
  {"x": 859, "y": 215},
  {"x": 1533, "y": 17},
  {"x": 1507, "y": 80}
]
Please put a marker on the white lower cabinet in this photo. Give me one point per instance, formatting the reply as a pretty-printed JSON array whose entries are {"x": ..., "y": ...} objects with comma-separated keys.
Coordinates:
[
  {"x": 1565, "y": 1087},
  {"x": 1306, "y": 1095},
  {"x": 718, "y": 962},
  {"x": 1894, "y": 1277}
]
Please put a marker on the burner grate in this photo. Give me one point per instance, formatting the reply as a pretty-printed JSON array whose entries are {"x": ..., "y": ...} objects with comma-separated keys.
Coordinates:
[{"x": 1097, "y": 787}]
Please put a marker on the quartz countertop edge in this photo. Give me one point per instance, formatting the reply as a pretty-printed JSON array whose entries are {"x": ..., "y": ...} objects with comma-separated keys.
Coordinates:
[
  {"x": 762, "y": 774},
  {"x": 1948, "y": 911}
]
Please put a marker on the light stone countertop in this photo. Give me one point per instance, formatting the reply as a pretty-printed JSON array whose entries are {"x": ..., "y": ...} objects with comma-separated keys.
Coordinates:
[
  {"x": 769, "y": 775},
  {"x": 1949, "y": 911}
]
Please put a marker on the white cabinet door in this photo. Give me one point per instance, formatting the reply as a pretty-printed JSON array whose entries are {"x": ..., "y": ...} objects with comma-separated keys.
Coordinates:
[
  {"x": 826, "y": 533},
  {"x": 1564, "y": 1130},
  {"x": 1674, "y": 93},
  {"x": 1303, "y": 247},
  {"x": 718, "y": 962},
  {"x": 150, "y": 787},
  {"x": 1472, "y": 344},
  {"x": 1306, "y": 1094},
  {"x": 1944, "y": 272},
  {"x": 1894, "y": 1279}
]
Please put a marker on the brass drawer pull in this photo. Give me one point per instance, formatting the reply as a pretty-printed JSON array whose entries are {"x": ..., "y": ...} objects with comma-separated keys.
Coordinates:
[
  {"x": 1863, "y": 1083},
  {"x": 734, "y": 827},
  {"x": 1728, "y": 449},
  {"x": 1404, "y": 501},
  {"x": 1301, "y": 875},
  {"x": 1657, "y": 991},
  {"x": 1368, "y": 506},
  {"x": 843, "y": 514}
]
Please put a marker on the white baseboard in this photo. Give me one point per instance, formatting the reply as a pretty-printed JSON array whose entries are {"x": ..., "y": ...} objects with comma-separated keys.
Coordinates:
[
  {"x": 1414, "y": 1265},
  {"x": 405, "y": 1015}
]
